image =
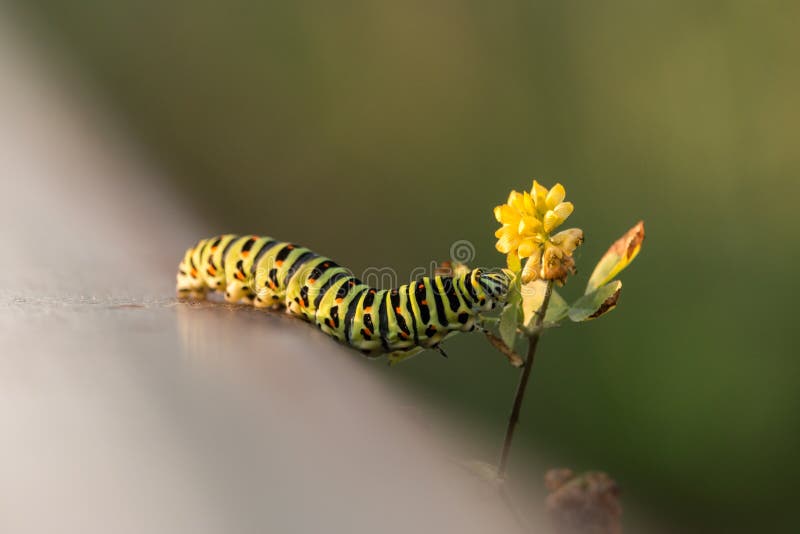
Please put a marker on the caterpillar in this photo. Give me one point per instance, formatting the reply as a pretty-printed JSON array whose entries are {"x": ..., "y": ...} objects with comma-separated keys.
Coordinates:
[{"x": 401, "y": 322}]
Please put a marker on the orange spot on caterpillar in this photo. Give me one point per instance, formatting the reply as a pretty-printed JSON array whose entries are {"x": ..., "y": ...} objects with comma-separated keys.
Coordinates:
[
  {"x": 339, "y": 300},
  {"x": 397, "y": 310},
  {"x": 421, "y": 286},
  {"x": 279, "y": 263},
  {"x": 312, "y": 280},
  {"x": 424, "y": 302},
  {"x": 245, "y": 253},
  {"x": 368, "y": 309},
  {"x": 194, "y": 273},
  {"x": 372, "y": 291},
  {"x": 240, "y": 276}
]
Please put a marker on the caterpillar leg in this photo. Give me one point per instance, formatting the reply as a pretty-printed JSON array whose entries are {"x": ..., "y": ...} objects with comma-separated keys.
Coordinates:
[
  {"x": 267, "y": 298},
  {"x": 191, "y": 294},
  {"x": 294, "y": 308},
  {"x": 238, "y": 291}
]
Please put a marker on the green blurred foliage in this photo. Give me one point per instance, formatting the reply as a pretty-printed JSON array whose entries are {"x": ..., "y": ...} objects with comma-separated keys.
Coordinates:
[{"x": 380, "y": 132}]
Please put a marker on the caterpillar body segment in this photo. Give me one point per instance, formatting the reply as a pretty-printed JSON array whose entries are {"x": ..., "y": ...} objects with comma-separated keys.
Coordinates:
[{"x": 403, "y": 321}]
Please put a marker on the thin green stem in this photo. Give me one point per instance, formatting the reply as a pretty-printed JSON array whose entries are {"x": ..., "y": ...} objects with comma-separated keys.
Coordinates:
[{"x": 533, "y": 341}]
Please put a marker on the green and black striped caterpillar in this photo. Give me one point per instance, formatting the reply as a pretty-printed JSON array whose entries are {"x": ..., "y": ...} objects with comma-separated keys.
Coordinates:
[{"x": 402, "y": 322}]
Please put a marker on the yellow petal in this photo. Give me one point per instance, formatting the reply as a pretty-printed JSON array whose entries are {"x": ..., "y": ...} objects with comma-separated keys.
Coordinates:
[
  {"x": 539, "y": 194},
  {"x": 532, "y": 267},
  {"x": 513, "y": 262},
  {"x": 506, "y": 214},
  {"x": 507, "y": 243},
  {"x": 527, "y": 248},
  {"x": 555, "y": 196},
  {"x": 531, "y": 270},
  {"x": 527, "y": 202},
  {"x": 563, "y": 210},
  {"x": 506, "y": 230},
  {"x": 515, "y": 200},
  {"x": 551, "y": 220},
  {"x": 529, "y": 225}
]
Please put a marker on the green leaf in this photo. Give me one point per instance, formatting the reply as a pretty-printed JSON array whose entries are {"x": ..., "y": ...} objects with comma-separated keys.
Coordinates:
[
  {"x": 557, "y": 309},
  {"x": 508, "y": 324},
  {"x": 617, "y": 257},
  {"x": 532, "y": 298},
  {"x": 509, "y": 318},
  {"x": 597, "y": 303}
]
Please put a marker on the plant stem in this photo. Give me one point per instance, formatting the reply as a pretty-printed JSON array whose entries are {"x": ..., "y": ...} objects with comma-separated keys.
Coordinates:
[
  {"x": 533, "y": 341},
  {"x": 513, "y": 358}
]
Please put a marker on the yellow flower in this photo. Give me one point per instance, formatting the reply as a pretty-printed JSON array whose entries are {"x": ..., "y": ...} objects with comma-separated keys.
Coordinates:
[{"x": 528, "y": 220}]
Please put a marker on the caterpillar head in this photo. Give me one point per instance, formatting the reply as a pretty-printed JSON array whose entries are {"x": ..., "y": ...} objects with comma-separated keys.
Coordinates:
[{"x": 493, "y": 284}]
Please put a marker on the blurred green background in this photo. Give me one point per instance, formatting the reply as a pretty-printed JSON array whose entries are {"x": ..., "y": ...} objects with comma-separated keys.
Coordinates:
[{"x": 381, "y": 132}]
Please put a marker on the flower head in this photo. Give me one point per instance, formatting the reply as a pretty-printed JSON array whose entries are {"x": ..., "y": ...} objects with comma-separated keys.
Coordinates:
[{"x": 528, "y": 220}]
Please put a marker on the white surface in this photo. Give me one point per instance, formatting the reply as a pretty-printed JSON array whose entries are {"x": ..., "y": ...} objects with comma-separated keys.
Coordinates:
[{"x": 123, "y": 411}]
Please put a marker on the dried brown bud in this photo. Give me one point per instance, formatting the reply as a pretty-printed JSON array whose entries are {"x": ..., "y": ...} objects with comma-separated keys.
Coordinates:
[{"x": 557, "y": 264}]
